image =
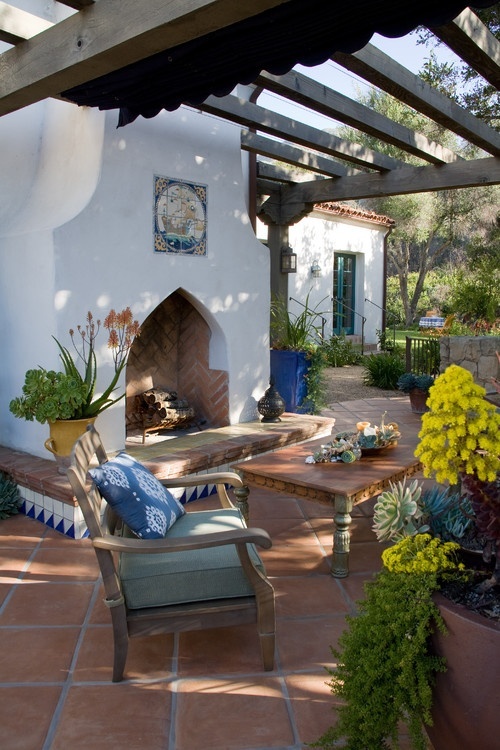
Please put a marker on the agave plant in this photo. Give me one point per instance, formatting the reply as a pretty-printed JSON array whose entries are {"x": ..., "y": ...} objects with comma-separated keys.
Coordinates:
[
  {"x": 449, "y": 514},
  {"x": 397, "y": 512}
]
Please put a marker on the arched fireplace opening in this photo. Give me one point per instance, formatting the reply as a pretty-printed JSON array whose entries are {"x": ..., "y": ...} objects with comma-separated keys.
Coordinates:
[{"x": 172, "y": 356}]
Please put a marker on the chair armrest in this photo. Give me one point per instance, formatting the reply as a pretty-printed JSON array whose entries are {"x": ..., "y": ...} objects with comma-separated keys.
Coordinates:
[
  {"x": 185, "y": 543},
  {"x": 226, "y": 477}
]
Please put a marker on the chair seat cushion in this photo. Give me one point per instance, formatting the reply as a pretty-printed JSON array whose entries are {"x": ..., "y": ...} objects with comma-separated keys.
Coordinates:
[
  {"x": 137, "y": 496},
  {"x": 162, "y": 579}
]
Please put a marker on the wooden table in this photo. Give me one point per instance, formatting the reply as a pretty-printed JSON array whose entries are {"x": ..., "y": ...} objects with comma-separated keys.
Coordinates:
[{"x": 339, "y": 484}]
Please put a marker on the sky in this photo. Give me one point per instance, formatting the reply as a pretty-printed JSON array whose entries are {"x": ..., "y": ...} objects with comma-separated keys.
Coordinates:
[{"x": 403, "y": 49}]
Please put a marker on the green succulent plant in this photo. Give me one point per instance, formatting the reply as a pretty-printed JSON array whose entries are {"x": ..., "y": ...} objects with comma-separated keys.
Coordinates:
[
  {"x": 450, "y": 515},
  {"x": 409, "y": 382},
  {"x": 49, "y": 395},
  {"x": 9, "y": 496},
  {"x": 397, "y": 512}
]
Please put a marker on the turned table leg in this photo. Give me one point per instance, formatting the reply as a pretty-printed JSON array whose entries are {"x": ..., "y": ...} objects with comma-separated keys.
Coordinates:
[
  {"x": 341, "y": 536},
  {"x": 241, "y": 499}
]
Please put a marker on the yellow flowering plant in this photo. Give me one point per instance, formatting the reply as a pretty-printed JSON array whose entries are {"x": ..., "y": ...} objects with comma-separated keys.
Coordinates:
[{"x": 460, "y": 433}]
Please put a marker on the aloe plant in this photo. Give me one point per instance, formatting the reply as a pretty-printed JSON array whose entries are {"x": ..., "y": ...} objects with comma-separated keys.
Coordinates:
[{"x": 48, "y": 395}]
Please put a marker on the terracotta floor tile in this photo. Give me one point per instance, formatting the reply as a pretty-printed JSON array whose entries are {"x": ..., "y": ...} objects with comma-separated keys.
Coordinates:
[
  {"x": 365, "y": 557},
  {"x": 308, "y": 596},
  {"x": 232, "y": 715},
  {"x": 47, "y": 604},
  {"x": 36, "y": 654},
  {"x": 220, "y": 651},
  {"x": 294, "y": 559},
  {"x": 313, "y": 704},
  {"x": 20, "y": 531},
  {"x": 13, "y": 562},
  {"x": 148, "y": 658},
  {"x": 128, "y": 716},
  {"x": 353, "y": 586},
  {"x": 304, "y": 644},
  {"x": 63, "y": 565},
  {"x": 100, "y": 614},
  {"x": 316, "y": 510},
  {"x": 25, "y": 715},
  {"x": 54, "y": 539},
  {"x": 288, "y": 530},
  {"x": 263, "y": 504}
]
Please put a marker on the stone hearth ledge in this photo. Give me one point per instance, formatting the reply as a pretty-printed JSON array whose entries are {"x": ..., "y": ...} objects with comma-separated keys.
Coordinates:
[{"x": 47, "y": 496}]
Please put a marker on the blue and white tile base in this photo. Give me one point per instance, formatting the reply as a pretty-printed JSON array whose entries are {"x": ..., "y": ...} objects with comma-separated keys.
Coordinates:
[{"x": 68, "y": 519}]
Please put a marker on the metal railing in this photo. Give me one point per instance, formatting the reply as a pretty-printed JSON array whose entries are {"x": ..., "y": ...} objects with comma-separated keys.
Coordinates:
[
  {"x": 388, "y": 314},
  {"x": 423, "y": 356},
  {"x": 363, "y": 319},
  {"x": 314, "y": 314}
]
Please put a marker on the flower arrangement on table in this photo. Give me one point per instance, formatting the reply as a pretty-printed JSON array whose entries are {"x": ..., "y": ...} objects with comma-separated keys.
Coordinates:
[{"x": 349, "y": 446}]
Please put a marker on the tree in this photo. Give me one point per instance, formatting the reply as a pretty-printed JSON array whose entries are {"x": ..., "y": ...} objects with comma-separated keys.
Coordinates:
[{"x": 431, "y": 228}]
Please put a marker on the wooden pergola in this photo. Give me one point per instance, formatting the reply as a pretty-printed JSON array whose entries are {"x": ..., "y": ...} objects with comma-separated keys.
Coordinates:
[{"x": 107, "y": 40}]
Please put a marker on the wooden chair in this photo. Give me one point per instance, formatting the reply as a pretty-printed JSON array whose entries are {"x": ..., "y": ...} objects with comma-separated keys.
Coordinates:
[{"x": 176, "y": 562}]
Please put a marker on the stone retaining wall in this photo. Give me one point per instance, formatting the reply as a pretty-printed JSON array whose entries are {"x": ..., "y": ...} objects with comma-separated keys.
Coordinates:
[{"x": 474, "y": 353}]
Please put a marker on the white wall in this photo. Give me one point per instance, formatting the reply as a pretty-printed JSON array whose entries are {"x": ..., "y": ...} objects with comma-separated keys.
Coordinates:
[
  {"x": 317, "y": 237},
  {"x": 89, "y": 189}
]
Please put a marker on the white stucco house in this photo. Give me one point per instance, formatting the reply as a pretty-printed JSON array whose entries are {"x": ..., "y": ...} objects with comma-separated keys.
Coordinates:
[
  {"x": 341, "y": 258},
  {"x": 155, "y": 216}
]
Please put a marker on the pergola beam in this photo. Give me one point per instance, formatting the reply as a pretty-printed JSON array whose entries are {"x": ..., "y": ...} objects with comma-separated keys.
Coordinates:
[
  {"x": 298, "y": 157},
  {"x": 380, "y": 70},
  {"x": 243, "y": 112},
  {"x": 16, "y": 25},
  {"x": 473, "y": 173},
  {"x": 471, "y": 40},
  {"x": 96, "y": 41},
  {"x": 294, "y": 201},
  {"x": 319, "y": 98}
]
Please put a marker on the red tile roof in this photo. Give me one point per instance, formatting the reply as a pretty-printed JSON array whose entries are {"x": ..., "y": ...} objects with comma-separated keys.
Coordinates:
[{"x": 341, "y": 209}]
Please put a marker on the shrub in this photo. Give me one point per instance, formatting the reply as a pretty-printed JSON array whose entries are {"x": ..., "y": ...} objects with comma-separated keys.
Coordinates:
[
  {"x": 338, "y": 351},
  {"x": 9, "y": 496},
  {"x": 383, "y": 370}
]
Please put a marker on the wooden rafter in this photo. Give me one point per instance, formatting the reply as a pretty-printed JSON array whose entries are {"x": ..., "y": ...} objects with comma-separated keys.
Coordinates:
[
  {"x": 16, "y": 25},
  {"x": 49, "y": 58},
  {"x": 319, "y": 98},
  {"x": 294, "y": 201},
  {"x": 471, "y": 40},
  {"x": 380, "y": 70},
  {"x": 244, "y": 112},
  {"x": 94, "y": 41},
  {"x": 297, "y": 157}
]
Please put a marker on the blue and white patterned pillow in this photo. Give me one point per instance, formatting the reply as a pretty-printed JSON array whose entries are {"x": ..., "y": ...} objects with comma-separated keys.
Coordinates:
[{"x": 137, "y": 497}]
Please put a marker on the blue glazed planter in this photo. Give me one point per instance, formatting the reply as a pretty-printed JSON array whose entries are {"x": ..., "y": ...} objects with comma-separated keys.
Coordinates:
[{"x": 289, "y": 370}]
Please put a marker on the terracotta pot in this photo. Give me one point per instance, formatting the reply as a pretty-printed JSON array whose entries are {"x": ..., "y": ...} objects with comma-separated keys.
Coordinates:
[
  {"x": 466, "y": 709},
  {"x": 418, "y": 400},
  {"x": 63, "y": 435}
]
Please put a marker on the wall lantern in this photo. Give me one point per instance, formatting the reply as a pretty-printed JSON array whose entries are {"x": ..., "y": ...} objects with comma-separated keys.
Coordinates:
[
  {"x": 288, "y": 260},
  {"x": 316, "y": 270}
]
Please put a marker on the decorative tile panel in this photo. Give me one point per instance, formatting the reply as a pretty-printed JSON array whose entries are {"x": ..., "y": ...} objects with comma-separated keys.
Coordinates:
[{"x": 180, "y": 217}]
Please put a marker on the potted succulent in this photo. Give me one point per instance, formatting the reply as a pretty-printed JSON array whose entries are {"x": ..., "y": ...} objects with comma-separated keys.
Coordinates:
[
  {"x": 432, "y": 663},
  {"x": 297, "y": 360},
  {"x": 417, "y": 387},
  {"x": 66, "y": 399}
]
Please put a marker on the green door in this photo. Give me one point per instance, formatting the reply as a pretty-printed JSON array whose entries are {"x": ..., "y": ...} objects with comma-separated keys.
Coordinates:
[{"x": 344, "y": 271}]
